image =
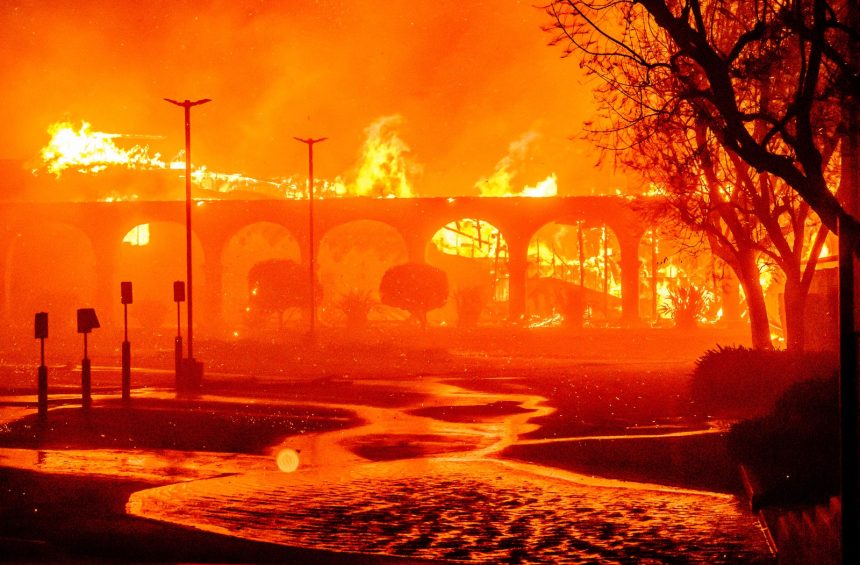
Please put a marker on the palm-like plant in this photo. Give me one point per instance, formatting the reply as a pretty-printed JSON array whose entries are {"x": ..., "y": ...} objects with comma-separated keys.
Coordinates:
[
  {"x": 356, "y": 305},
  {"x": 686, "y": 305}
]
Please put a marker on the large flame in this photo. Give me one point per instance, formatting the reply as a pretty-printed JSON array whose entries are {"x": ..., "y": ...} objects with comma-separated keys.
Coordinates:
[
  {"x": 386, "y": 168},
  {"x": 88, "y": 151},
  {"x": 500, "y": 183},
  {"x": 546, "y": 188},
  {"x": 83, "y": 150},
  {"x": 471, "y": 238},
  {"x": 547, "y": 257}
]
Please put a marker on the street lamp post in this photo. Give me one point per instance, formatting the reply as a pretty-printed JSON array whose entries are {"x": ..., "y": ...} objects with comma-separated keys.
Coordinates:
[
  {"x": 187, "y": 105},
  {"x": 311, "y": 259}
]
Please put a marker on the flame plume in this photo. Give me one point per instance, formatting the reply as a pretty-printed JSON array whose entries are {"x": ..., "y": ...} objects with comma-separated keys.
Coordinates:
[
  {"x": 386, "y": 168},
  {"x": 88, "y": 151},
  {"x": 500, "y": 183}
]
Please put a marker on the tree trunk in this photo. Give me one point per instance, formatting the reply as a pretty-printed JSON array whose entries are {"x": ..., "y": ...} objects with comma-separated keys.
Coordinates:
[
  {"x": 795, "y": 306},
  {"x": 730, "y": 300},
  {"x": 759, "y": 323}
]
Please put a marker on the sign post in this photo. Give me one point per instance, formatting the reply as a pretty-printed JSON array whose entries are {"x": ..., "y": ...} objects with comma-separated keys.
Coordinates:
[
  {"x": 87, "y": 322},
  {"x": 126, "y": 297},
  {"x": 41, "y": 334},
  {"x": 178, "y": 297}
]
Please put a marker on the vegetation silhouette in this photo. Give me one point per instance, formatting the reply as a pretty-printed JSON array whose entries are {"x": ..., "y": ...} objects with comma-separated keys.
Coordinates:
[
  {"x": 275, "y": 286},
  {"x": 776, "y": 87},
  {"x": 414, "y": 287}
]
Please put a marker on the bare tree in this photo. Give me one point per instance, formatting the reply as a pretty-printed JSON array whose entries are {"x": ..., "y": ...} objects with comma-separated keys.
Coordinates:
[
  {"x": 714, "y": 61},
  {"x": 751, "y": 220},
  {"x": 660, "y": 101}
]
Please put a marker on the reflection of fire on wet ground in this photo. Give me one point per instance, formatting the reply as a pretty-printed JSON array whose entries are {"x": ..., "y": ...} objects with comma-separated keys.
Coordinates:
[
  {"x": 484, "y": 511},
  {"x": 426, "y": 484},
  {"x": 405, "y": 467}
]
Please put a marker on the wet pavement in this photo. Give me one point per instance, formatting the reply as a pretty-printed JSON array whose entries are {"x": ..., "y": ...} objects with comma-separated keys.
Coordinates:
[
  {"x": 424, "y": 479},
  {"x": 454, "y": 499}
]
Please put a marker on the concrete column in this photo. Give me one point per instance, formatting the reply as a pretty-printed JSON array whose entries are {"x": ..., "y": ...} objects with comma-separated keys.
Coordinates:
[
  {"x": 629, "y": 244},
  {"x": 518, "y": 248}
]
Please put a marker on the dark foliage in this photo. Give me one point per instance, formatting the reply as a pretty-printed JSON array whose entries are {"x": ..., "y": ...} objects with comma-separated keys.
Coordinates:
[
  {"x": 774, "y": 83},
  {"x": 794, "y": 450},
  {"x": 356, "y": 306},
  {"x": 685, "y": 305},
  {"x": 278, "y": 284},
  {"x": 737, "y": 382},
  {"x": 414, "y": 287}
]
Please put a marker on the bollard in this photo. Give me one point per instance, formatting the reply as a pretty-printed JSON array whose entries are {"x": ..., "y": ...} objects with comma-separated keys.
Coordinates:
[
  {"x": 126, "y": 297},
  {"x": 178, "y": 360},
  {"x": 86, "y": 385},
  {"x": 126, "y": 371},
  {"x": 179, "y": 297},
  {"x": 87, "y": 321},
  {"x": 41, "y": 334},
  {"x": 43, "y": 392}
]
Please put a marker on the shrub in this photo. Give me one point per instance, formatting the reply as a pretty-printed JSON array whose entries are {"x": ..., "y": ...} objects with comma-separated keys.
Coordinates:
[
  {"x": 276, "y": 285},
  {"x": 685, "y": 305},
  {"x": 414, "y": 287},
  {"x": 794, "y": 450},
  {"x": 741, "y": 382},
  {"x": 356, "y": 305}
]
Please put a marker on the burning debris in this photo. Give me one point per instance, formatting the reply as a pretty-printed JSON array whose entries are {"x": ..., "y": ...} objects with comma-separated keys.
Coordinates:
[
  {"x": 84, "y": 151},
  {"x": 385, "y": 168},
  {"x": 87, "y": 151},
  {"x": 582, "y": 257}
]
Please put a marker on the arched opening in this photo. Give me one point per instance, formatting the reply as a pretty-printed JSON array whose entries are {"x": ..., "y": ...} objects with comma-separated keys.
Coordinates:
[
  {"x": 574, "y": 275},
  {"x": 474, "y": 255},
  {"x": 677, "y": 274},
  {"x": 351, "y": 261},
  {"x": 152, "y": 256},
  {"x": 251, "y": 245},
  {"x": 52, "y": 269},
  {"x": 554, "y": 291}
]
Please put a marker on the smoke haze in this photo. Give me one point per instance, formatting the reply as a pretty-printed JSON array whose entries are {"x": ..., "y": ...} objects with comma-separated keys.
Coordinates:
[{"x": 467, "y": 78}]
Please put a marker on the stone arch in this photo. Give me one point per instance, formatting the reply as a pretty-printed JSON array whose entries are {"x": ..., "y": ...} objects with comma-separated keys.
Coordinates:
[
  {"x": 260, "y": 241},
  {"x": 574, "y": 258},
  {"x": 152, "y": 262},
  {"x": 474, "y": 254},
  {"x": 51, "y": 267},
  {"x": 351, "y": 260}
]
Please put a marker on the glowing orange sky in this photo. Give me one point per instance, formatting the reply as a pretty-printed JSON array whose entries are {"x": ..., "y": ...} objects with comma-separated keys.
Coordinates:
[{"x": 467, "y": 77}]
